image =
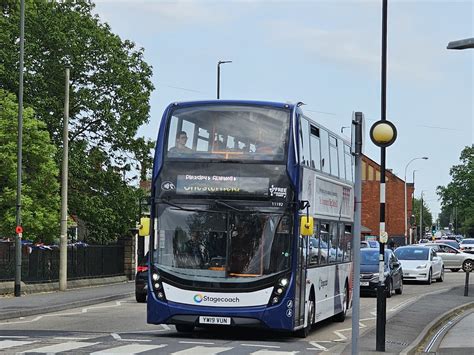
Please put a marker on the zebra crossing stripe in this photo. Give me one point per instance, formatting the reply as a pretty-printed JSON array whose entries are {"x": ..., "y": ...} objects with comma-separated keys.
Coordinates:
[
  {"x": 129, "y": 349},
  {"x": 57, "y": 348},
  {"x": 201, "y": 350},
  {"x": 273, "y": 352},
  {"x": 4, "y": 344}
]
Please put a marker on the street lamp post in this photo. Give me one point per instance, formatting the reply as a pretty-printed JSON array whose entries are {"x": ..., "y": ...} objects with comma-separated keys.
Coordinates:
[
  {"x": 406, "y": 217},
  {"x": 219, "y": 75}
]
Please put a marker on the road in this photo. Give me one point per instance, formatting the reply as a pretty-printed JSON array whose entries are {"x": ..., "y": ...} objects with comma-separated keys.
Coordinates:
[{"x": 120, "y": 326}]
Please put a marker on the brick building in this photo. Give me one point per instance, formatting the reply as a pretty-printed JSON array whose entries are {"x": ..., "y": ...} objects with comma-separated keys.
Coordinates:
[{"x": 394, "y": 200}]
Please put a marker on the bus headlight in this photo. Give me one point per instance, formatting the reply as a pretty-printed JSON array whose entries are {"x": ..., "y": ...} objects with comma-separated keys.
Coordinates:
[
  {"x": 157, "y": 285},
  {"x": 279, "y": 290}
]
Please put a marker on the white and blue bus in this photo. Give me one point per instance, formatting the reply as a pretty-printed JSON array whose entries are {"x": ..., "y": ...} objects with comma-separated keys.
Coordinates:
[{"x": 251, "y": 218}]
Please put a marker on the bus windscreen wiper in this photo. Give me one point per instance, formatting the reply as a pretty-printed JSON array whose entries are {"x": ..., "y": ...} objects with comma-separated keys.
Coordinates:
[{"x": 219, "y": 202}]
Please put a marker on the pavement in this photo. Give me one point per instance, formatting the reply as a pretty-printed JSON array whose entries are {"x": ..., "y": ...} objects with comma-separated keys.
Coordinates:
[
  {"x": 442, "y": 322},
  {"x": 413, "y": 328},
  {"x": 40, "y": 303}
]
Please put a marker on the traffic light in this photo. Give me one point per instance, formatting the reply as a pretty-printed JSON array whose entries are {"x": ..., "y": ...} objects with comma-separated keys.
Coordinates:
[{"x": 433, "y": 229}]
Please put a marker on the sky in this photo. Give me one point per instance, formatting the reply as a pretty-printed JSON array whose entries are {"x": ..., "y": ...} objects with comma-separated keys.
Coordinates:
[{"x": 326, "y": 54}]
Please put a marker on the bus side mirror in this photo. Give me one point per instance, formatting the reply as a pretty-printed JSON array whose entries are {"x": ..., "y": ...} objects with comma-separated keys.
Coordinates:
[
  {"x": 144, "y": 228},
  {"x": 306, "y": 225}
]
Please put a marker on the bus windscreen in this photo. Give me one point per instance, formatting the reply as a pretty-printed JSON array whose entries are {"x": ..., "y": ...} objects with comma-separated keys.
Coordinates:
[{"x": 227, "y": 133}]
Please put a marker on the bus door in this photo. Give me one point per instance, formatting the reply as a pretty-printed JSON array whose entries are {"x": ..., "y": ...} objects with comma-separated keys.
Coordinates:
[{"x": 300, "y": 288}]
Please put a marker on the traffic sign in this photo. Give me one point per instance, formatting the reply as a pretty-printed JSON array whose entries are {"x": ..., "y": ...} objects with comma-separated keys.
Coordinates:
[{"x": 19, "y": 229}]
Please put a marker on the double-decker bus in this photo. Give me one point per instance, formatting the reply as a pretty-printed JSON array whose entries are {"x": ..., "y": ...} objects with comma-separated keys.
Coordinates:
[{"x": 251, "y": 218}]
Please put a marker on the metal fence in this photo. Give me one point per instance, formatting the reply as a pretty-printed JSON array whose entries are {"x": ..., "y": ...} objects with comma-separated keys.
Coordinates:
[{"x": 42, "y": 265}]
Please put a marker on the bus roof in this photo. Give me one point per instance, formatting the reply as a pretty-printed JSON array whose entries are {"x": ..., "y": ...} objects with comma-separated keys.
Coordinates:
[{"x": 235, "y": 102}]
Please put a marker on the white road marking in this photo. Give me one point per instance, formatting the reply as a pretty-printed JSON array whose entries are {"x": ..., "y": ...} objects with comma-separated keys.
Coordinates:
[
  {"x": 201, "y": 350},
  {"x": 4, "y": 344},
  {"x": 341, "y": 336},
  {"x": 57, "y": 348},
  {"x": 116, "y": 336},
  {"x": 318, "y": 346},
  {"x": 261, "y": 346},
  {"x": 196, "y": 342},
  {"x": 270, "y": 352},
  {"x": 130, "y": 349},
  {"x": 70, "y": 338}
]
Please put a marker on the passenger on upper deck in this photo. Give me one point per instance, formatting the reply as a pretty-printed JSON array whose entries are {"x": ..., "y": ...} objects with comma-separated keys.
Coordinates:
[{"x": 180, "y": 146}]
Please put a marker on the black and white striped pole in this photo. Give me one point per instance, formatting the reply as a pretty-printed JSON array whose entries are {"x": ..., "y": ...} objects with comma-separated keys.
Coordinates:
[{"x": 383, "y": 133}]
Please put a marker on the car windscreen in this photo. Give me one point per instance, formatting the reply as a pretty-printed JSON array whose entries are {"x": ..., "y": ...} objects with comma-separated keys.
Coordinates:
[
  {"x": 412, "y": 253},
  {"x": 468, "y": 241},
  {"x": 371, "y": 256}
]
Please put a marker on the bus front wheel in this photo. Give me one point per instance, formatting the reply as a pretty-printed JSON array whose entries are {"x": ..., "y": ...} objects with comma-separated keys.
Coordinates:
[{"x": 303, "y": 333}]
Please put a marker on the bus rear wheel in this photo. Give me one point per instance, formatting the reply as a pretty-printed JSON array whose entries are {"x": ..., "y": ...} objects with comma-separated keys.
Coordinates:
[
  {"x": 340, "y": 317},
  {"x": 184, "y": 328}
]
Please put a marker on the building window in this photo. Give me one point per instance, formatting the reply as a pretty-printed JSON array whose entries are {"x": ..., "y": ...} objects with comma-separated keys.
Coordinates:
[{"x": 364, "y": 171}]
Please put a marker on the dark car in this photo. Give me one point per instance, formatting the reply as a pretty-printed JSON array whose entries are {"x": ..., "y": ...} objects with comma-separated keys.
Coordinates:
[
  {"x": 369, "y": 272},
  {"x": 141, "y": 288}
]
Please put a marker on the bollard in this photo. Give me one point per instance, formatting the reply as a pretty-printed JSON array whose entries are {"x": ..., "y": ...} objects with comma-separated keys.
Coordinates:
[{"x": 466, "y": 285}]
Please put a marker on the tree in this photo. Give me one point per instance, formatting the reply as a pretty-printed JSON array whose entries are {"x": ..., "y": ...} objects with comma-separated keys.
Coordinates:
[
  {"x": 109, "y": 99},
  {"x": 40, "y": 189},
  {"x": 426, "y": 213},
  {"x": 458, "y": 195}
]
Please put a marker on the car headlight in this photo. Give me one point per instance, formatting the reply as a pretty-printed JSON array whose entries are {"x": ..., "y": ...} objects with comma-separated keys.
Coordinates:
[{"x": 422, "y": 266}]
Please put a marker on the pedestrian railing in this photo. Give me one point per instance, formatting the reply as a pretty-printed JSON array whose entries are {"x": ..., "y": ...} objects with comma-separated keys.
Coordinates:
[{"x": 41, "y": 264}]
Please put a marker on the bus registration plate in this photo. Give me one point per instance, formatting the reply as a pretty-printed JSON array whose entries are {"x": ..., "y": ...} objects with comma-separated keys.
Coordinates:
[{"x": 214, "y": 320}]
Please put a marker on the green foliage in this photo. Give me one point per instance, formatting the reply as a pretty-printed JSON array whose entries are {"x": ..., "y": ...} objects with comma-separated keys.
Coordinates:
[
  {"x": 109, "y": 101},
  {"x": 427, "y": 216},
  {"x": 458, "y": 195},
  {"x": 40, "y": 189}
]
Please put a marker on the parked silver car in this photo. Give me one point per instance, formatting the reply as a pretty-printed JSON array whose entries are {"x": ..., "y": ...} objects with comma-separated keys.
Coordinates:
[
  {"x": 453, "y": 258},
  {"x": 467, "y": 245}
]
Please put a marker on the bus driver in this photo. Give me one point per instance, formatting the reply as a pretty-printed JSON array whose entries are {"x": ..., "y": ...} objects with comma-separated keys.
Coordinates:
[{"x": 180, "y": 146}]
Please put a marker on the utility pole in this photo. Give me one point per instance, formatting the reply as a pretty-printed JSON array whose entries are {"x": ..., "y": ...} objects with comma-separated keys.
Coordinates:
[
  {"x": 19, "y": 228},
  {"x": 421, "y": 216},
  {"x": 64, "y": 185},
  {"x": 357, "y": 144}
]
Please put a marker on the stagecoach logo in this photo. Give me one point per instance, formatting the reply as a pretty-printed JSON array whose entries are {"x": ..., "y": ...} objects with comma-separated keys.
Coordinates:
[
  {"x": 167, "y": 186},
  {"x": 322, "y": 283},
  {"x": 277, "y": 191},
  {"x": 198, "y": 298}
]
